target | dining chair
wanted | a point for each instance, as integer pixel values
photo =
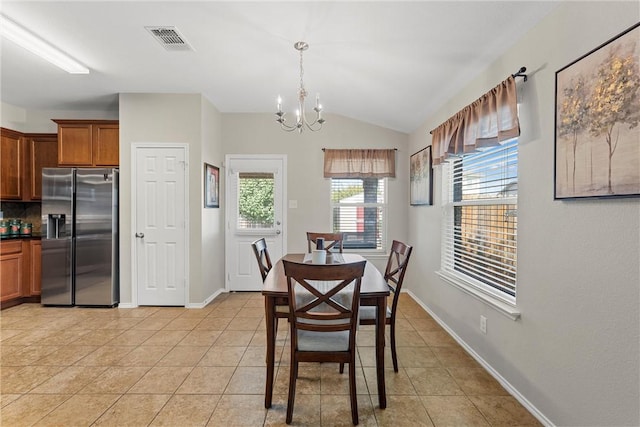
(394, 276)
(323, 302)
(332, 241)
(264, 265)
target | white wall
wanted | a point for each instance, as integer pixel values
(187, 119)
(40, 121)
(574, 354)
(260, 134)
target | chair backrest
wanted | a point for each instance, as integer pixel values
(396, 267)
(324, 298)
(262, 256)
(332, 241)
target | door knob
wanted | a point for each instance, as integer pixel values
(140, 235)
(278, 231)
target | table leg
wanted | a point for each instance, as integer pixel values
(269, 308)
(380, 328)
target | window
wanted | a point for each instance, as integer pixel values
(255, 200)
(358, 207)
(480, 224)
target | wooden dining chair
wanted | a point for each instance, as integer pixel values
(394, 275)
(264, 265)
(332, 241)
(323, 302)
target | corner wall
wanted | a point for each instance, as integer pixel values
(574, 355)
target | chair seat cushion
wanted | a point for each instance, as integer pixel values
(323, 341)
(369, 312)
(282, 308)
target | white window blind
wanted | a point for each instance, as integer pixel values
(358, 207)
(480, 227)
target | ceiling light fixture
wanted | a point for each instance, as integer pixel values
(301, 118)
(34, 44)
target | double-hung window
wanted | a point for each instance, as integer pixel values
(480, 199)
(358, 209)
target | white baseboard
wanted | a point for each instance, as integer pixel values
(206, 301)
(495, 374)
(126, 305)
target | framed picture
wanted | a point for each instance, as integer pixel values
(420, 178)
(597, 132)
(211, 186)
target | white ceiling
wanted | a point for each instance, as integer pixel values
(387, 63)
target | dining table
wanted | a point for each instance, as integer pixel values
(373, 292)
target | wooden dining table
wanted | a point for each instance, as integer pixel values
(373, 292)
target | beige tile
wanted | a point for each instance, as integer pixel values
(433, 381)
(183, 356)
(121, 324)
(417, 357)
(166, 337)
(133, 410)
(115, 380)
(70, 380)
(309, 377)
(247, 380)
(163, 380)
(438, 339)
(253, 312)
(332, 382)
(234, 338)
(222, 356)
(336, 410)
(504, 411)
(183, 323)
(223, 312)
(98, 337)
(403, 411)
(187, 410)
(214, 323)
(244, 324)
(255, 356)
(67, 355)
(105, 356)
(239, 410)
(167, 312)
(147, 355)
(25, 355)
(200, 338)
(65, 337)
(453, 411)
(206, 380)
(306, 411)
(30, 408)
(132, 337)
(409, 339)
(6, 334)
(5, 399)
(395, 383)
(453, 357)
(152, 323)
(81, 409)
(367, 356)
(27, 378)
(477, 381)
(425, 324)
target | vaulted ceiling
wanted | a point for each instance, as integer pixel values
(387, 63)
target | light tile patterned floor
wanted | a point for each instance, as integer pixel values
(164, 366)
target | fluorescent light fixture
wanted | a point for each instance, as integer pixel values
(24, 38)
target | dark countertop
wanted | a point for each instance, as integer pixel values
(22, 237)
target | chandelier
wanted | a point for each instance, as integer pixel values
(301, 117)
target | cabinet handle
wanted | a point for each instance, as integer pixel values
(140, 235)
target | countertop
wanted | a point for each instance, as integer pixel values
(21, 237)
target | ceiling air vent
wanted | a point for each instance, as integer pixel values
(170, 38)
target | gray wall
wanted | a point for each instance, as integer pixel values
(574, 354)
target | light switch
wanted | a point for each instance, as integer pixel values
(293, 204)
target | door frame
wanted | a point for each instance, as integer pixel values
(134, 201)
(228, 158)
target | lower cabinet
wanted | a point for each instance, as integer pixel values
(20, 271)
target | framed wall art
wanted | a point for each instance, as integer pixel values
(421, 178)
(597, 116)
(211, 186)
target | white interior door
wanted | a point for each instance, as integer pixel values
(255, 196)
(160, 225)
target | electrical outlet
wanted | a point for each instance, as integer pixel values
(483, 324)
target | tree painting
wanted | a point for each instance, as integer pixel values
(597, 117)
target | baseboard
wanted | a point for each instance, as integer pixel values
(495, 374)
(126, 305)
(206, 301)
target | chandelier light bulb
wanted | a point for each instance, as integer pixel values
(301, 117)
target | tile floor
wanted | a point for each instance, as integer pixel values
(164, 366)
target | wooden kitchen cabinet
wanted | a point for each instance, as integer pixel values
(11, 270)
(43, 153)
(35, 267)
(90, 143)
(11, 164)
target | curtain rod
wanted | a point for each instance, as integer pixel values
(359, 149)
(519, 73)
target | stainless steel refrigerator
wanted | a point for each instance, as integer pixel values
(80, 237)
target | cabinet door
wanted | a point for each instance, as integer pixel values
(35, 278)
(44, 154)
(74, 145)
(11, 265)
(10, 165)
(106, 145)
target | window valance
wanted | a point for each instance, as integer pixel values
(360, 163)
(486, 122)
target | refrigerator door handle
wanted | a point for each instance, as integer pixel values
(140, 235)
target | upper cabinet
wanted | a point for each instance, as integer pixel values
(88, 142)
(11, 164)
(43, 153)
